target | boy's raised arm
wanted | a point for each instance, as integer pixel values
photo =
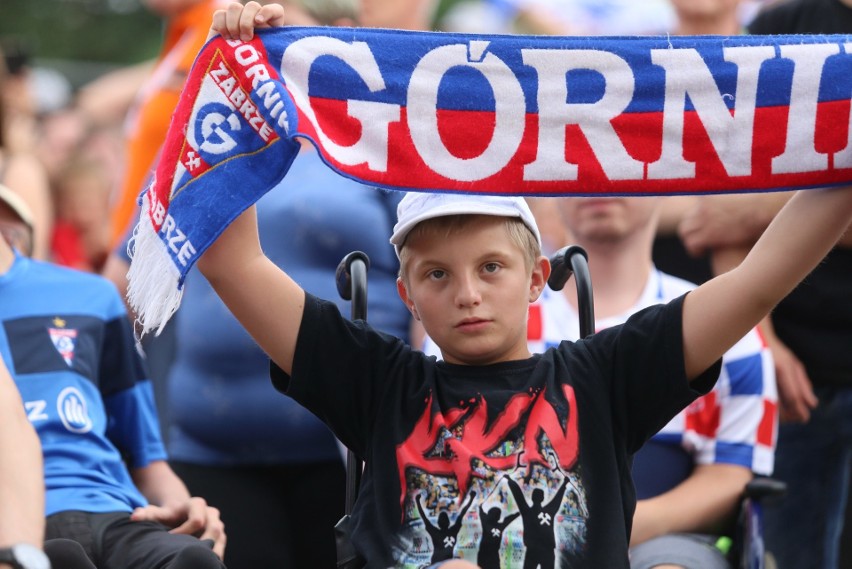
(722, 310)
(266, 301)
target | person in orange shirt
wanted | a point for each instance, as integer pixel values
(187, 24)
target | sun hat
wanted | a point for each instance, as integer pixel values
(420, 206)
(19, 207)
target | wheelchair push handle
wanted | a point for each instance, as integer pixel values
(351, 279)
(766, 489)
(569, 260)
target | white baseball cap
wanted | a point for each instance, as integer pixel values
(420, 206)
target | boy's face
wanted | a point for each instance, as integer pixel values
(471, 289)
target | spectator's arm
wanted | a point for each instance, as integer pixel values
(795, 392)
(265, 300)
(705, 502)
(21, 470)
(159, 484)
(108, 98)
(846, 240)
(731, 220)
(673, 209)
(26, 176)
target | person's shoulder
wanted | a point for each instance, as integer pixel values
(71, 280)
(68, 274)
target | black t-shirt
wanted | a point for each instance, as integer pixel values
(815, 320)
(804, 17)
(548, 438)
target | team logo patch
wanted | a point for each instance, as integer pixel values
(226, 122)
(73, 411)
(64, 340)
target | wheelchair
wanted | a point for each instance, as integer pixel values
(747, 548)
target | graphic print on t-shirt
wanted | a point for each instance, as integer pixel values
(499, 489)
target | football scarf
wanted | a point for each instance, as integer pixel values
(526, 115)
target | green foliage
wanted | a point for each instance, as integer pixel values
(103, 31)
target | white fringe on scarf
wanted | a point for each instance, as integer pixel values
(152, 280)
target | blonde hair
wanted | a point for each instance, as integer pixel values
(518, 232)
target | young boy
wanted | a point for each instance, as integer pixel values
(464, 433)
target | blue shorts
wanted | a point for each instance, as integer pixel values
(690, 550)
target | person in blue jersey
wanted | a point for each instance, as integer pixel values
(69, 346)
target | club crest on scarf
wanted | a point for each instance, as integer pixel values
(227, 122)
(240, 108)
(234, 112)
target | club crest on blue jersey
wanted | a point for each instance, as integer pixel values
(64, 340)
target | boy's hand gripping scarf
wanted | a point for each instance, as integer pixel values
(537, 116)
